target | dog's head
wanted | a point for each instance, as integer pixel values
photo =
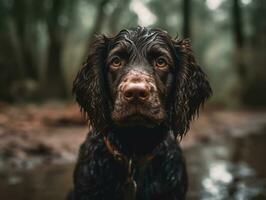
(141, 77)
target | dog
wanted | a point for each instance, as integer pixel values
(139, 91)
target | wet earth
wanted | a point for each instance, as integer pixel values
(231, 168)
(225, 162)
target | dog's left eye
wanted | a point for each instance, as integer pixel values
(116, 63)
(161, 62)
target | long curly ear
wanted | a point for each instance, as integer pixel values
(88, 86)
(192, 88)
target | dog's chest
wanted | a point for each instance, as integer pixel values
(105, 177)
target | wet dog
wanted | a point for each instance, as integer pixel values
(139, 90)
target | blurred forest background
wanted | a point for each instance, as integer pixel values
(43, 43)
(42, 46)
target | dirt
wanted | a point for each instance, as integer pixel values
(33, 134)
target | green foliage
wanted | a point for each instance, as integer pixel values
(44, 42)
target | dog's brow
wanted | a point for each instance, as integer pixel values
(116, 50)
(158, 49)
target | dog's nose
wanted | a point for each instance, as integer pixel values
(136, 91)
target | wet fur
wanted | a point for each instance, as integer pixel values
(98, 175)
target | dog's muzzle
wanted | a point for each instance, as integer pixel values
(137, 87)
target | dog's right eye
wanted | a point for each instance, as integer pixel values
(116, 62)
(161, 63)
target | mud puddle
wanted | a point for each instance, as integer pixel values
(228, 168)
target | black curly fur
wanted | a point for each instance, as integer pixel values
(192, 88)
(98, 175)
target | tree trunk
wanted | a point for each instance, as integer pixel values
(186, 18)
(54, 84)
(256, 47)
(239, 41)
(99, 20)
(115, 17)
(23, 23)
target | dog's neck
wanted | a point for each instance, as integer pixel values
(137, 140)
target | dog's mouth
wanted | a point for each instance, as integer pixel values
(138, 115)
(136, 120)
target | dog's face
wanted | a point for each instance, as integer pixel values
(141, 77)
(140, 69)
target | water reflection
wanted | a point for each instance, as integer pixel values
(47, 182)
(218, 175)
(231, 168)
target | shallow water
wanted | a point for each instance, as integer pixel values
(232, 168)
(228, 168)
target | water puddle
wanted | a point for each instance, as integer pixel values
(231, 168)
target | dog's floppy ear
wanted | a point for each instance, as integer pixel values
(88, 86)
(192, 88)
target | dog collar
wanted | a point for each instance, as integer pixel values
(130, 189)
(139, 160)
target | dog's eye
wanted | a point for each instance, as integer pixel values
(161, 63)
(116, 62)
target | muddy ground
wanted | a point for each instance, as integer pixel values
(224, 150)
(51, 133)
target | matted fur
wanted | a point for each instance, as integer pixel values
(98, 175)
(191, 91)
